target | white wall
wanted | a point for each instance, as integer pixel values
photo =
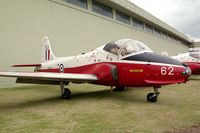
(23, 23)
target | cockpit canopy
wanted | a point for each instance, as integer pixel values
(126, 47)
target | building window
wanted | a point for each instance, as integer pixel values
(170, 37)
(80, 3)
(138, 24)
(164, 35)
(149, 28)
(185, 43)
(157, 31)
(177, 40)
(122, 17)
(102, 9)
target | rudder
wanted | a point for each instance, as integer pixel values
(47, 53)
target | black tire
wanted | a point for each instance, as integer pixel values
(151, 97)
(66, 94)
(119, 88)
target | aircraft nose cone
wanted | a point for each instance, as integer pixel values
(187, 71)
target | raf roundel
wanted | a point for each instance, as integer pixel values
(61, 67)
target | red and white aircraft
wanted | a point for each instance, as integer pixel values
(192, 59)
(122, 63)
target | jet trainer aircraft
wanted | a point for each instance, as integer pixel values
(192, 59)
(122, 63)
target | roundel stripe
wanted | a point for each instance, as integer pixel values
(48, 54)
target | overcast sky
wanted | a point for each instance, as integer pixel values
(183, 15)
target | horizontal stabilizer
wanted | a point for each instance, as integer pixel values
(27, 65)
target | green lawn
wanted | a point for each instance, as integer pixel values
(94, 109)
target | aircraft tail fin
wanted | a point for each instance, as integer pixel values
(195, 52)
(47, 53)
(164, 53)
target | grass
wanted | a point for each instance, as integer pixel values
(97, 110)
(195, 77)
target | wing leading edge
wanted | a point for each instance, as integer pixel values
(48, 78)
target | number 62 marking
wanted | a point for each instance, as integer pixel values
(167, 70)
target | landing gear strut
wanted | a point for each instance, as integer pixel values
(152, 97)
(65, 92)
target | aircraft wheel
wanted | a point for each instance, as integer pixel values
(118, 88)
(152, 97)
(66, 94)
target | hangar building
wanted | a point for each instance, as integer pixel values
(196, 44)
(77, 26)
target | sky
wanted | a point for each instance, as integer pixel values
(183, 15)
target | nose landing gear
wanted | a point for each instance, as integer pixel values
(152, 97)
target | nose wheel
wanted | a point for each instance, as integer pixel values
(153, 96)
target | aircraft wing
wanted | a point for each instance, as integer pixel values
(48, 78)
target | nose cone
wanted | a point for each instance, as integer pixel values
(187, 71)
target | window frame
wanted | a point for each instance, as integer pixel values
(102, 9)
(137, 23)
(78, 3)
(149, 28)
(122, 17)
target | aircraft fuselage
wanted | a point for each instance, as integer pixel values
(142, 69)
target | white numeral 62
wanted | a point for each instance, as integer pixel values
(167, 70)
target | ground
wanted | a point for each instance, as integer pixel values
(95, 109)
(192, 129)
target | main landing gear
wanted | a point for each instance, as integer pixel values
(119, 88)
(65, 92)
(152, 97)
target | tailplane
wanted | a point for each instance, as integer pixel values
(195, 52)
(164, 53)
(47, 53)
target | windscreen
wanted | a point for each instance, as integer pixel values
(125, 47)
